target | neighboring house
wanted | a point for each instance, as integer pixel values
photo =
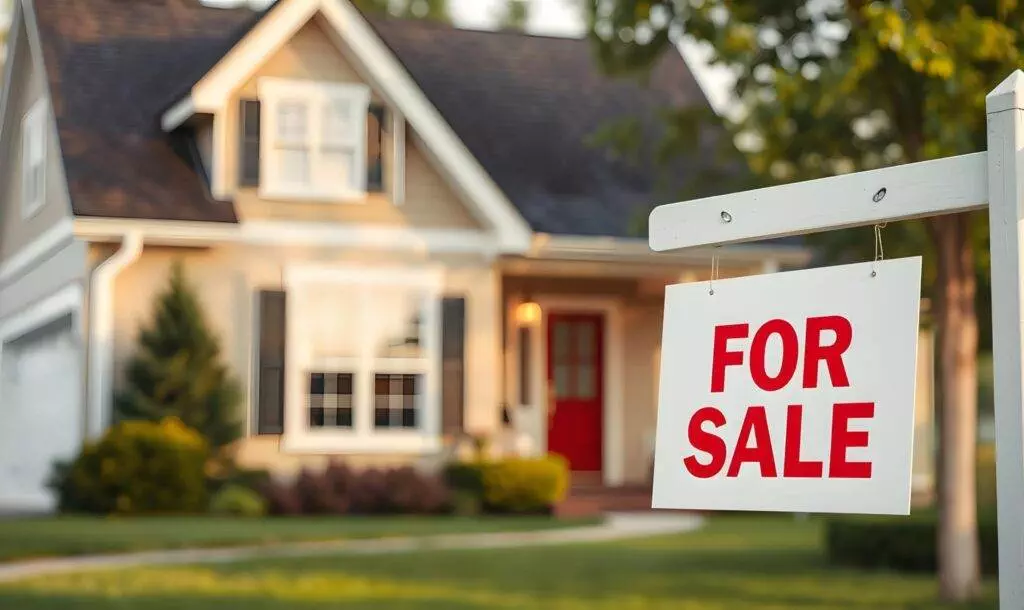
(397, 229)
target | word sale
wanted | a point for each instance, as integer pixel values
(754, 442)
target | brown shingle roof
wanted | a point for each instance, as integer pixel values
(525, 106)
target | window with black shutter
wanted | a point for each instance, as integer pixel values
(375, 149)
(453, 366)
(270, 397)
(249, 143)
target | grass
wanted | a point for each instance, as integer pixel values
(63, 536)
(737, 563)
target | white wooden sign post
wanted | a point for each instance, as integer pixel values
(957, 184)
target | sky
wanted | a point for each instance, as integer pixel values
(562, 18)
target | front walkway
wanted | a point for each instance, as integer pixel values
(617, 526)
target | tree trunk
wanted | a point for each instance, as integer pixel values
(959, 571)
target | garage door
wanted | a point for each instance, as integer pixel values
(40, 413)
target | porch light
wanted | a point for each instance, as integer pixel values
(528, 313)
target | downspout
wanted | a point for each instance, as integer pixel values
(101, 332)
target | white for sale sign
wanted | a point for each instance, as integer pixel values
(790, 391)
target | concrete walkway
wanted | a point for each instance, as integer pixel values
(617, 526)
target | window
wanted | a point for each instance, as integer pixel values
(375, 149)
(368, 352)
(33, 167)
(316, 139)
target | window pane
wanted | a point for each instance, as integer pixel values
(338, 126)
(374, 149)
(395, 399)
(329, 400)
(338, 167)
(291, 122)
(563, 332)
(585, 342)
(295, 166)
(563, 381)
(586, 386)
(398, 322)
(335, 309)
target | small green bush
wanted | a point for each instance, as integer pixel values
(238, 501)
(136, 468)
(465, 476)
(904, 544)
(525, 486)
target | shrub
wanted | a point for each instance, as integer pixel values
(281, 499)
(525, 485)
(136, 468)
(906, 544)
(412, 492)
(327, 492)
(238, 501)
(252, 479)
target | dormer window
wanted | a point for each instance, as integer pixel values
(314, 140)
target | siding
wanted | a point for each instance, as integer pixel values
(27, 86)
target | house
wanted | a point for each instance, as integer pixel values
(400, 231)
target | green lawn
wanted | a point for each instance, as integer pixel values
(48, 537)
(738, 563)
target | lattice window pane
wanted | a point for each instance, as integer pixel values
(329, 400)
(395, 400)
(292, 123)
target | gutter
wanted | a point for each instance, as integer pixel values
(101, 333)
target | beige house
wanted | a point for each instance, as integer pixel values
(401, 232)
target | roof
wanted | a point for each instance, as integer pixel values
(527, 107)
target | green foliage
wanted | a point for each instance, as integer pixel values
(136, 468)
(905, 544)
(516, 485)
(436, 10)
(177, 370)
(238, 501)
(515, 14)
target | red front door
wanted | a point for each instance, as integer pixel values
(575, 382)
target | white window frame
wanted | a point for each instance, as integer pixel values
(363, 437)
(316, 96)
(33, 156)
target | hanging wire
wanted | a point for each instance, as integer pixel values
(714, 273)
(879, 249)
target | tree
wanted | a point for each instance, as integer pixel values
(177, 370)
(515, 15)
(832, 87)
(410, 9)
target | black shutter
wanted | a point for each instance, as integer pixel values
(249, 143)
(453, 367)
(375, 149)
(270, 398)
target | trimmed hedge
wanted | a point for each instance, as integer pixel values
(238, 501)
(138, 467)
(511, 486)
(903, 544)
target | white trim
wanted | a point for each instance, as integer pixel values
(398, 158)
(374, 237)
(613, 450)
(941, 186)
(298, 437)
(40, 313)
(177, 114)
(33, 156)
(12, 46)
(100, 377)
(38, 248)
(213, 91)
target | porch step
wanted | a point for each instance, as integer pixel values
(587, 499)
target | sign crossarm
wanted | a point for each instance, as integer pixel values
(903, 192)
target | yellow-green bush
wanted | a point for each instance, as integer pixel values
(137, 467)
(238, 501)
(525, 485)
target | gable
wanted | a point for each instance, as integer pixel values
(347, 28)
(310, 55)
(27, 93)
